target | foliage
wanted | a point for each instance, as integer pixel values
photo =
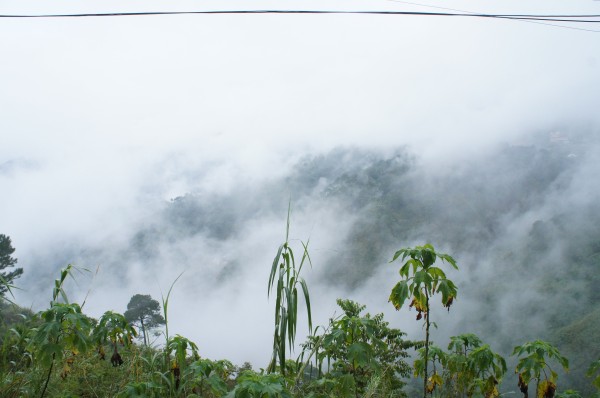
(7, 261)
(568, 394)
(144, 389)
(64, 329)
(144, 312)
(470, 368)
(356, 355)
(210, 377)
(364, 348)
(113, 328)
(421, 280)
(533, 365)
(256, 385)
(594, 371)
(63, 333)
(285, 276)
(179, 346)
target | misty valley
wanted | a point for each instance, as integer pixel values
(351, 272)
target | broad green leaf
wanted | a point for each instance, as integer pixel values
(360, 353)
(399, 294)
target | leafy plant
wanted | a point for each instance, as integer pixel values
(472, 366)
(179, 345)
(143, 389)
(113, 327)
(365, 348)
(285, 276)
(485, 370)
(64, 330)
(594, 371)
(256, 385)
(420, 281)
(438, 358)
(210, 377)
(533, 365)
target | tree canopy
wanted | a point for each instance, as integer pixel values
(144, 312)
(7, 261)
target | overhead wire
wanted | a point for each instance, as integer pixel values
(531, 18)
(527, 21)
(560, 18)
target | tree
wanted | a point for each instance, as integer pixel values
(421, 280)
(144, 312)
(361, 349)
(6, 261)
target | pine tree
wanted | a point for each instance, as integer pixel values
(7, 261)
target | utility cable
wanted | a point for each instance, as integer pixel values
(530, 17)
(472, 12)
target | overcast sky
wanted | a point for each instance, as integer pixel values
(100, 117)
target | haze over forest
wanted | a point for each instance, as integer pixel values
(151, 147)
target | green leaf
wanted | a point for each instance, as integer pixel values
(274, 270)
(307, 300)
(399, 294)
(360, 353)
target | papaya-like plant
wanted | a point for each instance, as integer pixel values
(438, 358)
(210, 377)
(533, 365)
(485, 370)
(256, 385)
(113, 327)
(64, 331)
(421, 279)
(285, 278)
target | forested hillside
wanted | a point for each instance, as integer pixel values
(522, 220)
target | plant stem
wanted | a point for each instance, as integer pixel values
(48, 377)
(426, 342)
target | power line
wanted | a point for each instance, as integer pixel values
(527, 17)
(473, 12)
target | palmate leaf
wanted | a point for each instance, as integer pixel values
(593, 370)
(436, 273)
(399, 294)
(464, 341)
(427, 256)
(402, 252)
(422, 278)
(360, 353)
(449, 259)
(448, 290)
(532, 365)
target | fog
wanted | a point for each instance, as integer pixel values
(147, 147)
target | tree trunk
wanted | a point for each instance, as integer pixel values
(144, 331)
